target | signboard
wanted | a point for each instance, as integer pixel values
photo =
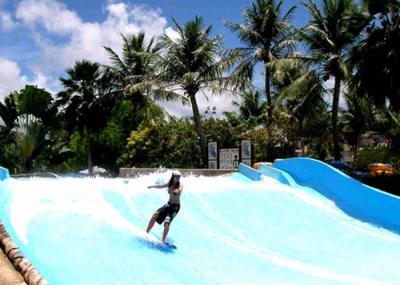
(228, 158)
(212, 164)
(212, 151)
(212, 155)
(246, 149)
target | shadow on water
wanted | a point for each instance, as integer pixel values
(167, 247)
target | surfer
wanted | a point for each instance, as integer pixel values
(168, 212)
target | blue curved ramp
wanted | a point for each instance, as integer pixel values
(356, 199)
(4, 174)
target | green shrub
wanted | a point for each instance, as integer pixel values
(372, 155)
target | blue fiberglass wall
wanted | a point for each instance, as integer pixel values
(277, 174)
(358, 200)
(250, 172)
(4, 173)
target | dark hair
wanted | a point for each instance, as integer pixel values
(171, 180)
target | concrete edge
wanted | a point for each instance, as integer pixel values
(134, 172)
(20, 263)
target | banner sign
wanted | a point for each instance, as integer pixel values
(246, 152)
(212, 151)
(228, 158)
(246, 149)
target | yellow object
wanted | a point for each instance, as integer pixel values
(377, 169)
(257, 164)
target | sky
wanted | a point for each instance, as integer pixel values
(39, 39)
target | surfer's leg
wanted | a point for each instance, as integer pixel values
(151, 222)
(158, 217)
(165, 233)
(166, 228)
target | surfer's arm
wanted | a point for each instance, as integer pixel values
(179, 189)
(158, 186)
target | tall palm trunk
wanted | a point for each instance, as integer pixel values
(268, 93)
(199, 128)
(27, 164)
(335, 111)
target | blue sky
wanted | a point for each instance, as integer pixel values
(39, 39)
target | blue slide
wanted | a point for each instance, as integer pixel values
(251, 227)
(356, 199)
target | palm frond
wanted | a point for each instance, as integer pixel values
(116, 61)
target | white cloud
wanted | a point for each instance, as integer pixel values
(51, 15)
(330, 83)
(222, 102)
(173, 34)
(6, 22)
(11, 77)
(84, 39)
(46, 82)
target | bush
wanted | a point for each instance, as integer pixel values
(372, 155)
(169, 144)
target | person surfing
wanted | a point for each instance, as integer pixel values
(167, 212)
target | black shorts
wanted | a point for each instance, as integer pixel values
(167, 213)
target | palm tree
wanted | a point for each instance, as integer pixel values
(357, 119)
(268, 36)
(252, 106)
(82, 101)
(9, 112)
(189, 65)
(29, 115)
(331, 32)
(39, 103)
(30, 137)
(132, 64)
(135, 62)
(300, 89)
(377, 57)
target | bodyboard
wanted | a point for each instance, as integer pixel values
(154, 243)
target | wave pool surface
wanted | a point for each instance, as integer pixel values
(229, 231)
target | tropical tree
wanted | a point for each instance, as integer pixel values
(9, 155)
(252, 106)
(28, 115)
(358, 118)
(9, 112)
(129, 68)
(377, 57)
(190, 64)
(30, 137)
(299, 89)
(85, 101)
(269, 36)
(332, 30)
(131, 109)
(299, 105)
(167, 143)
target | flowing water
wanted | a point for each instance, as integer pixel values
(229, 230)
